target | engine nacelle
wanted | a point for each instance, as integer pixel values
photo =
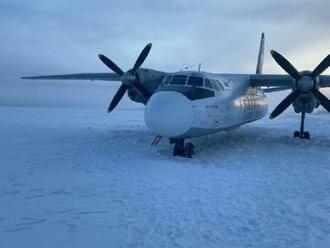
(150, 79)
(136, 95)
(305, 103)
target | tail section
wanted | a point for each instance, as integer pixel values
(261, 55)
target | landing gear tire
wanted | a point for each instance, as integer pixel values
(306, 135)
(176, 150)
(189, 150)
(179, 148)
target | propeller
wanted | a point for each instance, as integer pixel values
(129, 78)
(284, 104)
(305, 81)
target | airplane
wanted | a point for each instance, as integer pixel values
(188, 104)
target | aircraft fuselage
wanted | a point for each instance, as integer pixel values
(221, 102)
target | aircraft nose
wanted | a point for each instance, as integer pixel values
(169, 113)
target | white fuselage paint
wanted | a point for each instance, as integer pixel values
(171, 114)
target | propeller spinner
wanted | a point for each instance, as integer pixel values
(128, 78)
(305, 81)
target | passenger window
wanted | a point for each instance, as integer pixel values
(179, 80)
(220, 85)
(195, 81)
(208, 83)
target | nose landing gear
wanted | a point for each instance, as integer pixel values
(302, 134)
(189, 150)
(182, 149)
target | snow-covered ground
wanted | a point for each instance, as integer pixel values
(82, 178)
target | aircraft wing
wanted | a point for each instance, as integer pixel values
(79, 76)
(271, 80)
(279, 82)
(324, 81)
(275, 89)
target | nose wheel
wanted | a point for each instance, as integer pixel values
(302, 134)
(189, 150)
(182, 149)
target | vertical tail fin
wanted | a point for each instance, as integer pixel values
(261, 55)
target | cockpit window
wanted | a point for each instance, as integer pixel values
(215, 85)
(179, 80)
(167, 79)
(220, 85)
(208, 83)
(195, 81)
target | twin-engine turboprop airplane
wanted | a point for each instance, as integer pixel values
(189, 104)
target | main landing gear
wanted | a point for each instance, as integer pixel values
(182, 149)
(302, 134)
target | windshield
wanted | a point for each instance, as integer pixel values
(208, 83)
(166, 80)
(179, 80)
(195, 81)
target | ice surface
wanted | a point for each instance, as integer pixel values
(83, 178)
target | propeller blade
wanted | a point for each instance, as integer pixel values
(118, 96)
(285, 64)
(109, 63)
(284, 104)
(321, 67)
(142, 57)
(325, 102)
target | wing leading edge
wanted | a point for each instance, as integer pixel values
(281, 81)
(271, 80)
(79, 76)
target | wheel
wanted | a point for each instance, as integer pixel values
(189, 150)
(175, 151)
(296, 134)
(306, 135)
(178, 149)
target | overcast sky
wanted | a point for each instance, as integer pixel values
(65, 36)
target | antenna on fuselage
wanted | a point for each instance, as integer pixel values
(186, 68)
